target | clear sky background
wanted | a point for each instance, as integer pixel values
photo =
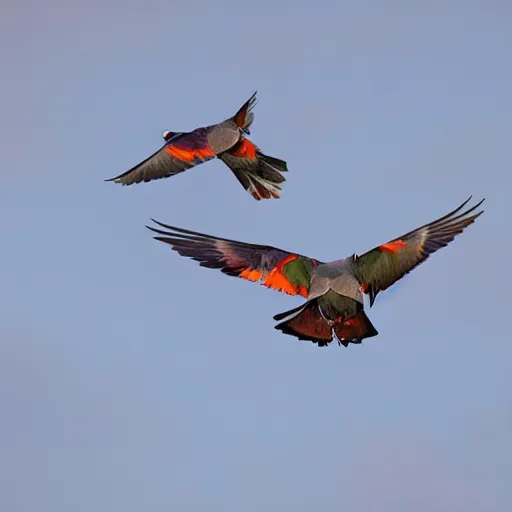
(132, 379)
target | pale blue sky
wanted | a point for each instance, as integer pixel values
(132, 379)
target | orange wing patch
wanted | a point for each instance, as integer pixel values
(275, 279)
(189, 155)
(393, 247)
(251, 275)
(303, 291)
(245, 149)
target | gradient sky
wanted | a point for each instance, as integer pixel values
(132, 379)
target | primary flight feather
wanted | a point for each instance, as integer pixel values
(260, 174)
(334, 290)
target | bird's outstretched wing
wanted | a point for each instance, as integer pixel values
(384, 265)
(281, 270)
(181, 152)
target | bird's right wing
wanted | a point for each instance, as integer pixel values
(384, 265)
(181, 152)
(275, 268)
(245, 116)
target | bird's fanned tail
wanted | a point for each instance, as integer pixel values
(323, 318)
(258, 173)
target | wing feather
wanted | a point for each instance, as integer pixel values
(181, 152)
(384, 265)
(272, 267)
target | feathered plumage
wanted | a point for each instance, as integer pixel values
(260, 174)
(333, 291)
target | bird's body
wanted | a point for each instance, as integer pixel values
(223, 136)
(258, 173)
(334, 290)
(336, 276)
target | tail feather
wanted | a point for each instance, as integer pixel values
(258, 187)
(355, 329)
(290, 312)
(273, 168)
(244, 117)
(266, 178)
(313, 321)
(308, 325)
(258, 173)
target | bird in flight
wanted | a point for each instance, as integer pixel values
(333, 291)
(260, 174)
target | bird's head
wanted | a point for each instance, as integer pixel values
(168, 135)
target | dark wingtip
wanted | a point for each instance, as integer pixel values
(117, 179)
(159, 231)
(471, 209)
(251, 103)
(154, 229)
(480, 202)
(166, 226)
(468, 200)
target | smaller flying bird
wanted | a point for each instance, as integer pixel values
(334, 291)
(258, 173)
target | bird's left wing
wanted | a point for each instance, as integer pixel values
(384, 265)
(181, 151)
(275, 268)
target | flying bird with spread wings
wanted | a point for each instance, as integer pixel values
(260, 174)
(334, 290)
